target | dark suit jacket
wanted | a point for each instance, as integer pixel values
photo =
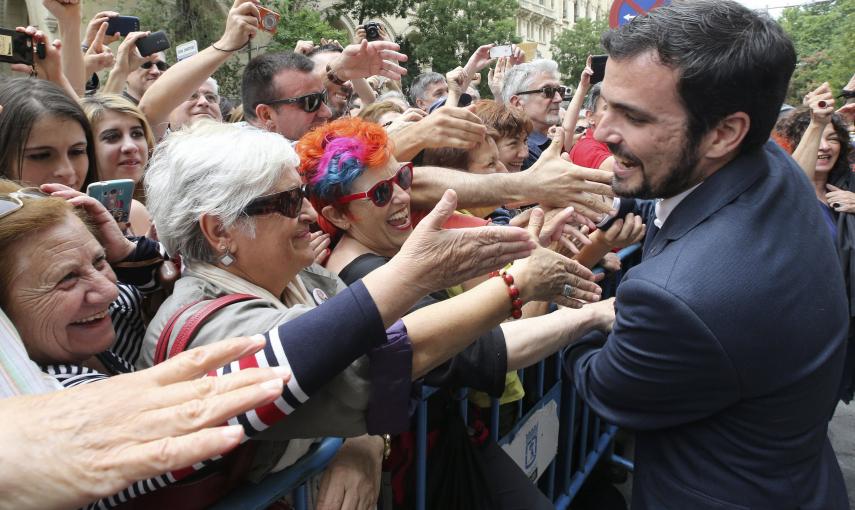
(728, 348)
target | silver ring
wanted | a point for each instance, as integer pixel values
(568, 290)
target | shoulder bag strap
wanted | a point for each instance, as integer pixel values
(189, 329)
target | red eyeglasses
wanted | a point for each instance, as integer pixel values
(381, 193)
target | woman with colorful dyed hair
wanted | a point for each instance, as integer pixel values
(362, 194)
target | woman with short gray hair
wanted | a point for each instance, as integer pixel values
(229, 201)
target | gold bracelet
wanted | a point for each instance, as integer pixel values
(332, 77)
(387, 446)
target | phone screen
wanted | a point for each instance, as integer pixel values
(598, 65)
(500, 51)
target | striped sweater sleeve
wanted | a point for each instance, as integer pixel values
(316, 347)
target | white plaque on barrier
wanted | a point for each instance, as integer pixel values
(535, 443)
(186, 50)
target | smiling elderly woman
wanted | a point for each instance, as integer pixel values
(230, 202)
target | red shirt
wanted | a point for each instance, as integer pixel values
(588, 152)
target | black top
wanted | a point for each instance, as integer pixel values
(481, 366)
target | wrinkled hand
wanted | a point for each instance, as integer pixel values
(496, 76)
(559, 230)
(95, 25)
(135, 426)
(320, 243)
(304, 47)
(99, 56)
(840, 200)
(624, 232)
(458, 80)
(542, 276)
(847, 111)
(454, 127)
(434, 258)
(408, 118)
(66, 12)
(48, 68)
(241, 25)
(560, 183)
(116, 245)
(352, 479)
(820, 113)
(368, 59)
(604, 314)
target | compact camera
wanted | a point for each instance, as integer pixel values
(372, 31)
(269, 19)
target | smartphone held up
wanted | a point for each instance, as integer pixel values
(115, 195)
(18, 48)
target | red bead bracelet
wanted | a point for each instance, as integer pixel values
(513, 293)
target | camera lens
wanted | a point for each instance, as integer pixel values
(269, 21)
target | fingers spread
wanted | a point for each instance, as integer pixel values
(199, 361)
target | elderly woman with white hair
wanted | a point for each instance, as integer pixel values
(229, 201)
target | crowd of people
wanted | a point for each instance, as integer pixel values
(298, 265)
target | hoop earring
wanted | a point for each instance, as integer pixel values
(226, 258)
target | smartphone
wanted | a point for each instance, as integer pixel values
(501, 51)
(598, 65)
(115, 195)
(15, 47)
(154, 43)
(123, 25)
(269, 19)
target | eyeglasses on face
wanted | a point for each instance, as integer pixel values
(161, 65)
(209, 97)
(309, 103)
(579, 130)
(381, 193)
(548, 92)
(11, 202)
(287, 203)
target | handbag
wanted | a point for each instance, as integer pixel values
(206, 487)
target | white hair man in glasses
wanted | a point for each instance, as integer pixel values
(536, 88)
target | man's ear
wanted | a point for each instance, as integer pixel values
(264, 113)
(217, 236)
(515, 101)
(726, 137)
(336, 217)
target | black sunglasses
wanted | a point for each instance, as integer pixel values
(548, 92)
(381, 193)
(161, 65)
(309, 103)
(579, 130)
(287, 203)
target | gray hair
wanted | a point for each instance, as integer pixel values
(422, 82)
(591, 99)
(521, 76)
(214, 85)
(211, 168)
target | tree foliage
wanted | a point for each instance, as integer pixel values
(367, 10)
(447, 32)
(823, 36)
(204, 21)
(572, 47)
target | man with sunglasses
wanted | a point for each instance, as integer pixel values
(588, 151)
(144, 76)
(535, 87)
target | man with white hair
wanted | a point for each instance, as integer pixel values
(202, 104)
(536, 88)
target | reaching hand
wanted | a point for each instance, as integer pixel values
(458, 80)
(66, 12)
(439, 258)
(368, 59)
(95, 25)
(116, 245)
(352, 479)
(48, 68)
(496, 76)
(480, 59)
(304, 47)
(241, 26)
(98, 56)
(452, 127)
(624, 231)
(560, 183)
(128, 57)
(821, 103)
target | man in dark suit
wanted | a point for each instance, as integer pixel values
(728, 343)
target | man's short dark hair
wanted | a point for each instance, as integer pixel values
(325, 48)
(257, 82)
(730, 59)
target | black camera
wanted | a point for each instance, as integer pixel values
(372, 31)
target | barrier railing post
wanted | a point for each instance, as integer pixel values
(421, 454)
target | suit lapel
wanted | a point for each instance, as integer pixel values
(720, 189)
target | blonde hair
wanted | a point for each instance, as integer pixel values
(35, 216)
(374, 111)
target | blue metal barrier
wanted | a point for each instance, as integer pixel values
(251, 496)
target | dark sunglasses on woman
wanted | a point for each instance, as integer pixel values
(287, 203)
(381, 193)
(309, 103)
(161, 65)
